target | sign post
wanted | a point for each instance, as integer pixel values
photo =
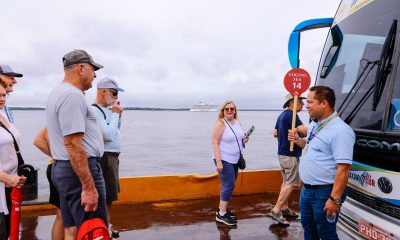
(296, 81)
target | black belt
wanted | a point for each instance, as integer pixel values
(115, 154)
(308, 186)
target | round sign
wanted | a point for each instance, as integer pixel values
(297, 81)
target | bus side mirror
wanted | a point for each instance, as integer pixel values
(294, 39)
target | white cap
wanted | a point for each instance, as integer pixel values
(109, 83)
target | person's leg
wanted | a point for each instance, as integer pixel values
(227, 178)
(71, 233)
(307, 214)
(326, 230)
(2, 226)
(62, 176)
(292, 179)
(9, 206)
(57, 232)
(283, 199)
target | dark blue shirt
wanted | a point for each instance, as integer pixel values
(283, 124)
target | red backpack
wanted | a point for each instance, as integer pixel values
(93, 229)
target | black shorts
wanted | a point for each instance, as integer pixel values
(110, 166)
(54, 198)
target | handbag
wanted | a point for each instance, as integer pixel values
(241, 163)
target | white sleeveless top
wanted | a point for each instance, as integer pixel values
(8, 158)
(228, 146)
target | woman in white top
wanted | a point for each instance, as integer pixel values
(227, 143)
(8, 166)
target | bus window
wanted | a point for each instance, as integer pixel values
(394, 117)
(353, 75)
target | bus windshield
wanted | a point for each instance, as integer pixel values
(350, 59)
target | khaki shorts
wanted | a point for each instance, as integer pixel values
(290, 170)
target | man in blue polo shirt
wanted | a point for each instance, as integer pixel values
(289, 161)
(324, 166)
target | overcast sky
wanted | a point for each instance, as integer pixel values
(165, 53)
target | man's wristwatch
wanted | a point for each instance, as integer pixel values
(336, 201)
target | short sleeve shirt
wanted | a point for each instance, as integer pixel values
(67, 113)
(331, 145)
(283, 124)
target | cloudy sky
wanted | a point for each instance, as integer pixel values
(164, 53)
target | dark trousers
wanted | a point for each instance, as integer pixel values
(8, 217)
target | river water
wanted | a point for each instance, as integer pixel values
(165, 142)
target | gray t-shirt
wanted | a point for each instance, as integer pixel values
(67, 113)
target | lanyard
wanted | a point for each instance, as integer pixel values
(312, 134)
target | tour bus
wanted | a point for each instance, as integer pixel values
(360, 61)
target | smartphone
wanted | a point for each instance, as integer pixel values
(250, 131)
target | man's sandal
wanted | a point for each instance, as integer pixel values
(289, 213)
(279, 218)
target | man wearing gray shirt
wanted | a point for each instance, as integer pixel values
(76, 144)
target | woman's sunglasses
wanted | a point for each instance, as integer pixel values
(229, 109)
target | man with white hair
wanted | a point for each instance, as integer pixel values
(108, 113)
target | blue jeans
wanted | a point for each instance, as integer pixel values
(313, 216)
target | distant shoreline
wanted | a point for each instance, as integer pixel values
(144, 109)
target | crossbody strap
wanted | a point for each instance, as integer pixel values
(233, 134)
(20, 159)
(101, 110)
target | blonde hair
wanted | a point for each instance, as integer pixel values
(222, 109)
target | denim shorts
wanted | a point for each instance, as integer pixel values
(70, 189)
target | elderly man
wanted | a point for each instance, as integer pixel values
(109, 121)
(76, 144)
(7, 75)
(324, 166)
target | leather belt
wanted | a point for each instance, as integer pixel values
(308, 186)
(115, 154)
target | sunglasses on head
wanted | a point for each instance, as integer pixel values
(229, 109)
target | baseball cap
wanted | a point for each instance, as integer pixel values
(109, 83)
(79, 56)
(7, 70)
(288, 98)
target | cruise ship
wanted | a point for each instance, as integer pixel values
(204, 107)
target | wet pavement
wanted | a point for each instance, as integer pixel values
(189, 219)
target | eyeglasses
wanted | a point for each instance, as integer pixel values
(229, 109)
(114, 93)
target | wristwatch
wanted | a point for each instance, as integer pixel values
(336, 201)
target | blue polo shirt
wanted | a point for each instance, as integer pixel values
(331, 145)
(283, 124)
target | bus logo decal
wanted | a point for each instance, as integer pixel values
(364, 179)
(385, 185)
